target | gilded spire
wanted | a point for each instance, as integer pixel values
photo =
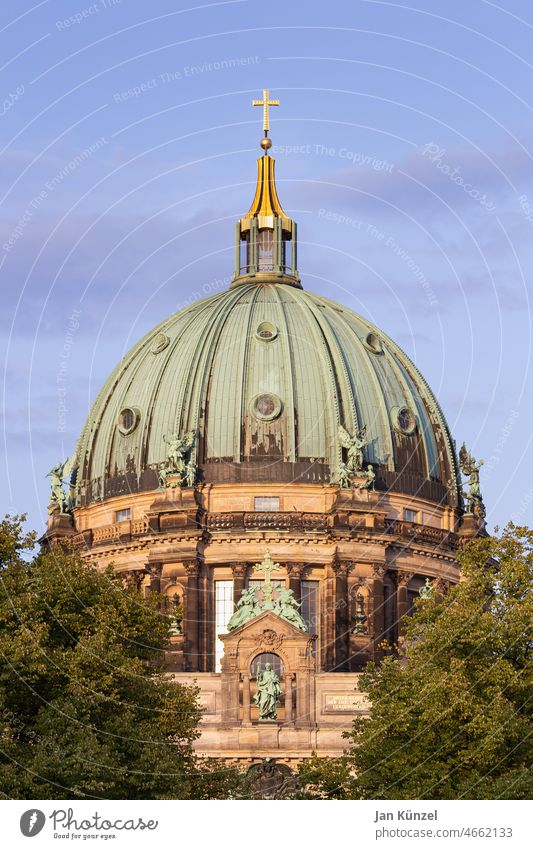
(266, 203)
(265, 242)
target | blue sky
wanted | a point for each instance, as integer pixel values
(403, 148)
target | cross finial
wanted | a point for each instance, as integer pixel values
(265, 103)
(267, 567)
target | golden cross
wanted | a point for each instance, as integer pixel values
(266, 567)
(265, 103)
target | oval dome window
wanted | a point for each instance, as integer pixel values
(266, 407)
(405, 421)
(159, 343)
(373, 343)
(266, 331)
(128, 419)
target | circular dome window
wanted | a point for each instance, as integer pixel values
(405, 420)
(373, 343)
(266, 407)
(128, 419)
(266, 331)
(159, 343)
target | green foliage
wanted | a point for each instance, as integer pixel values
(451, 717)
(85, 710)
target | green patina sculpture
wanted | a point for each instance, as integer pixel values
(346, 471)
(62, 472)
(354, 447)
(426, 590)
(286, 606)
(360, 626)
(176, 616)
(257, 600)
(370, 477)
(268, 693)
(179, 462)
(247, 608)
(342, 476)
(470, 467)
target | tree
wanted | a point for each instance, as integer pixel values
(451, 715)
(85, 710)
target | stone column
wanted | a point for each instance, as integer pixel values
(342, 617)
(327, 620)
(246, 702)
(294, 571)
(378, 607)
(302, 697)
(402, 602)
(155, 570)
(191, 628)
(288, 699)
(239, 580)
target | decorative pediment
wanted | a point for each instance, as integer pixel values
(269, 624)
(267, 633)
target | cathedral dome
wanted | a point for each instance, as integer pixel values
(265, 383)
(263, 376)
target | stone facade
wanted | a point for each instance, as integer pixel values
(365, 561)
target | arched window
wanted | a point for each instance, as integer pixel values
(267, 657)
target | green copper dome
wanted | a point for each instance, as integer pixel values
(264, 374)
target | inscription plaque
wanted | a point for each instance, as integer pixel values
(345, 703)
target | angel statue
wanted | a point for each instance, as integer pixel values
(179, 449)
(191, 473)
(247, 608)
(61, 472)
(470, 467)
(286, 606)
(354, 446)
(370, 477)
(342, 475)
